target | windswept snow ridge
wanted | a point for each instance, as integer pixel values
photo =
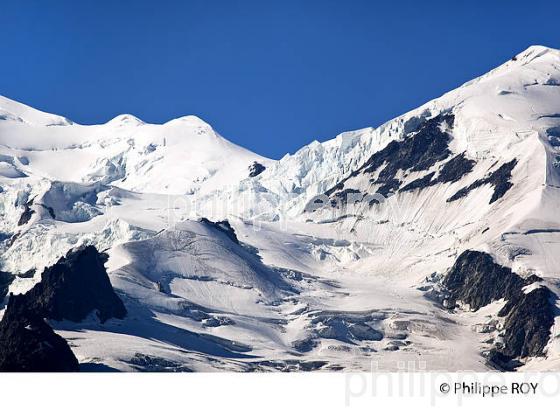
(432, 239)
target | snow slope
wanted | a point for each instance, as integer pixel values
(332, 252)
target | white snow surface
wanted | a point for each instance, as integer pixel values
(331, 280)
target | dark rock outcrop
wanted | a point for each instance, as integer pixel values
(500, 179)
(455, 169)
(425, 145)
(25, 216)
(6, 279)
(452, 171)
(222, 226)
(28, 344)
(305, 345)
(74, 287)
(419, 183)
(71, 289)
(475, 279)
(255, 169)
(529, 319)
(501, 362)
(27, 274)
(418, 151)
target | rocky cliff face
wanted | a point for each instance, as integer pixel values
(476, 280)
(28, 344)
(6, 279)
(74, 287)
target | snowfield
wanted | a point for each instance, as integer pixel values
(331, 258)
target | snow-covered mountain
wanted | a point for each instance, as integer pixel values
(182, 156)
(432, 239)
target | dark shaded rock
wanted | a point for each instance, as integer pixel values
(389, 187)
(222, 226)
(74, 287)
(455, 169)
(419, 183)
(418, 151)
(554, 141)
(532, 279)
(500, 179)
(71, 289)
(452, 171)
(27, 274)
(161, 287)
(6, 279)
(554, 136)
(27, 213)
(305, 345)
(501, 362)
(529, 318)
(415, 153)
(28, 344)
(475, 279)
(255, 169)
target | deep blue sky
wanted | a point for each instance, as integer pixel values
(268, 75)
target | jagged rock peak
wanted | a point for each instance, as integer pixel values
(76, 286)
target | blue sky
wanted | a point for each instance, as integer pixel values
(268, 75)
